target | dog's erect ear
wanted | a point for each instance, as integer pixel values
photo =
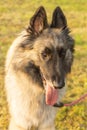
(39, 21)
(58, 19)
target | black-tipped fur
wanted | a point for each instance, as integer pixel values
(38, 22)
(58, 19)
(38, 60)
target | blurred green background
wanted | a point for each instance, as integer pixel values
(14, 17)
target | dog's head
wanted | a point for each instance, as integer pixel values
(48, 50)
(53, 47)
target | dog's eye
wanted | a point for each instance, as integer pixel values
(62, 52)
(46, 52)
(44, 55)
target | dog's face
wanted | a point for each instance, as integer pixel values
(54, 56)
(53, 47)
(47, 50)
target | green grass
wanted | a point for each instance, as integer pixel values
(14, 17)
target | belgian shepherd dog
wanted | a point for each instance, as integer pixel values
(37, 64)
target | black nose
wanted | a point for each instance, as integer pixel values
(61, 84)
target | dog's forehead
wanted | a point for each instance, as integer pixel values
(52, 37)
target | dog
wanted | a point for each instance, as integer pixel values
(37, 64)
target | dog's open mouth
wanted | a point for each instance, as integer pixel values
(51, 94)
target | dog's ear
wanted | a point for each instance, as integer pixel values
(58, 19)
(38, 22)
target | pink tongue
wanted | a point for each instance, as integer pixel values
(51, 95)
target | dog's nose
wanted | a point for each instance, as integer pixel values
(59, 85)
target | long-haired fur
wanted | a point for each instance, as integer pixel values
(40, 55)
